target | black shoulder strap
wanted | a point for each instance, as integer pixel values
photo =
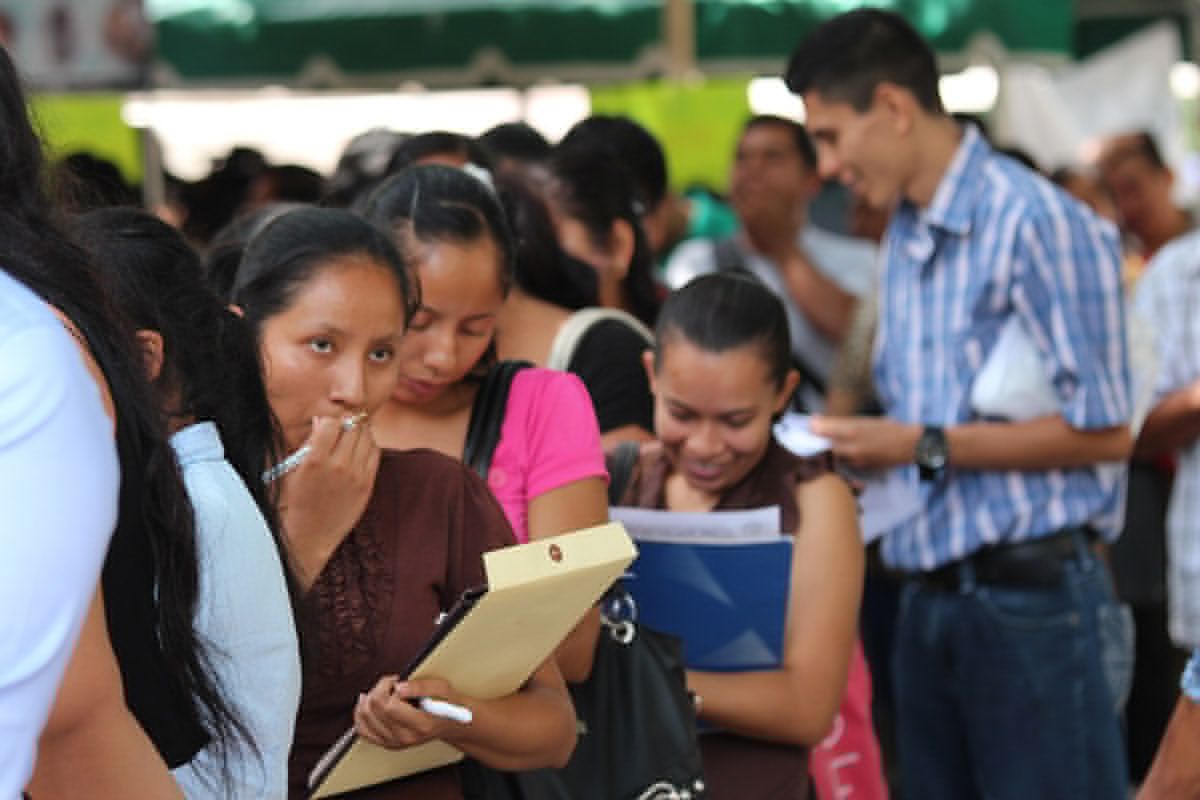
(487, 416)
(620, 462)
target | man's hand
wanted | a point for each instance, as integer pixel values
(826, 305)
(1175, 772)
(869, 441)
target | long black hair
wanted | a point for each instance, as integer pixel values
(210, 364)
(724, 311)
(294, 246)
(592, 186)
(150, 574)
(225, 251)
(538, 263)
(210, 359)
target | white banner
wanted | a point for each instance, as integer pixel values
(1058, 116)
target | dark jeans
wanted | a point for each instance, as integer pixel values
(1001, 693)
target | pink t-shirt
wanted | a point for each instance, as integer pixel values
(549, 439)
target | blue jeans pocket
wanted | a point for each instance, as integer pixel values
(1028, 609)
(1115, 626)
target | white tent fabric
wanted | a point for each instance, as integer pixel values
(1059, 117)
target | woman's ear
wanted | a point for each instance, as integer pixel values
(622, 243)
(790, 382)
(236, 310)
(151, 344)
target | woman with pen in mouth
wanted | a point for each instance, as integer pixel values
(380, 541)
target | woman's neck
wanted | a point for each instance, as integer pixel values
(526, 327)
(438, 425)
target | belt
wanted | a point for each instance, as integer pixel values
(1032, 563)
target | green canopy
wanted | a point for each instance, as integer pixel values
(462, 42)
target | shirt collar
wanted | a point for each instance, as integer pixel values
(198, 442)
(954, 199)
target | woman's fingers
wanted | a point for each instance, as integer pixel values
(386, 716)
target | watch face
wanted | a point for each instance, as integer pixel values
(931, 449)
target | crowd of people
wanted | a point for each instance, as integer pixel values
(240, 467)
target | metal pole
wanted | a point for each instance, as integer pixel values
(679, 37)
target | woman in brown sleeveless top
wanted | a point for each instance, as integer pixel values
(381, 541)
(721, 373)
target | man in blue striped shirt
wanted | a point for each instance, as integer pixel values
(1001, 687)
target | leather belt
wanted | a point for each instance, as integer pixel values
(1030, 563)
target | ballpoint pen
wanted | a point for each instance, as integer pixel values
(292, 461)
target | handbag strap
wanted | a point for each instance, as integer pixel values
(621, 461)
(487, 416)
(571, 333)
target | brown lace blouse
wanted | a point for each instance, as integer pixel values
(737, 768)
(418, 545)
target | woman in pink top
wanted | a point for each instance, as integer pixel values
(547, 470)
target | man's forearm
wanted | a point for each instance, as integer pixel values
(829, 307)
(1040, 444)
(1176, 769)
(1173, 424)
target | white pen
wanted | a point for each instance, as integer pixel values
(445, 710)
(291, 462)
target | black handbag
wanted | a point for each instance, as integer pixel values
(636, 719)
(636, 724)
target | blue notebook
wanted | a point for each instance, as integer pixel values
(727, 602)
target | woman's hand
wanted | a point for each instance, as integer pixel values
(387, 716)
(325, 496)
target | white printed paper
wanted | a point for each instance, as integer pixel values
(888, 500)
(702, 527)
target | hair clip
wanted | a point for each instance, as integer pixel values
(481, 174)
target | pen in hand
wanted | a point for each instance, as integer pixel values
(440, 708)
(445, 710)
(295, 459)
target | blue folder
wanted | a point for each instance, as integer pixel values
(727, 602)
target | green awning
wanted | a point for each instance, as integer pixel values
(439, 42)
(752, 29)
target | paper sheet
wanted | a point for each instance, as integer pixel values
(793, 432)
(706, 527)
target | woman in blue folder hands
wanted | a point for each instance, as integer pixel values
(721, 373)
(380, 541)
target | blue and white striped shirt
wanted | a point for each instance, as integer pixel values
(998, 240)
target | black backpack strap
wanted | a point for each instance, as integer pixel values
(487, 416)
(620, 462)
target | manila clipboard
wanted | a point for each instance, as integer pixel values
(489, 647)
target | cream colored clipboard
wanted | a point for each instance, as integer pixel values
(537, 593)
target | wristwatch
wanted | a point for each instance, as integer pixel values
(931, 453)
